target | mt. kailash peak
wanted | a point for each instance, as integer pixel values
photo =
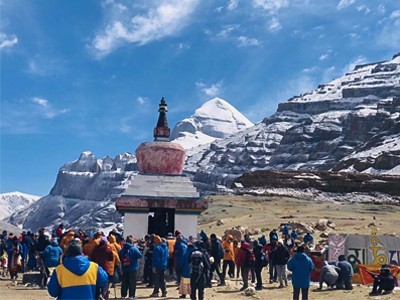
(215, 119)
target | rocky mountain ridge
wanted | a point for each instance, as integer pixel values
(15, 201)
(350, 124)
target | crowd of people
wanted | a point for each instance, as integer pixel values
(76, 264)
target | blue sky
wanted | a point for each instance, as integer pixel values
(88, 75)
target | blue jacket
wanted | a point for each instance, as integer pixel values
(134, 255)
(179, 249)
(160, 257)
(308, 238)
(51, 255)
(186, 261)
(301, 266)
(77, 278)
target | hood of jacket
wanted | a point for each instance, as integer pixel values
(77, 264)
(54, 243)
(245, 245)
(127, 246)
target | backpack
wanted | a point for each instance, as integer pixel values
(264, 260)
(249, 258)
(196, 263)
(126, 261)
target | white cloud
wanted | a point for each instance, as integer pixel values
(351, 65)
(47, 110)
(141, 100)
(40, 101)
(363, 8)
(345, 3)
(7, 41)
(245, 41)
(389, 36)
(271, 5)
(395, 14)
(274, 25)
(210, 91)
(232, 4)
(381, 8)
(183, 46)
(323, 57)
(28, 116)
(165, 18)
(227, 30)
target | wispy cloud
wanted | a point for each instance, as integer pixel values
(345, 3)
(245, 41)
(363, 8)
(162, 19)
(142, 100)
(389, 35)
(323, 57)
(211, 90)
(351, 65)
(44, 66)
(7, 41)
(232, 4)
(271, 5)
(28, 116)
(274, 25)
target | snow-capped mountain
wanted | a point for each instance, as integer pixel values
(83, 194)
(215, 119)
(13, 202)
(349, 124)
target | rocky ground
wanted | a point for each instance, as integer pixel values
(258, 215)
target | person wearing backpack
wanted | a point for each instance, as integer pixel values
(245, 262)
(129, 256)
(198, 271)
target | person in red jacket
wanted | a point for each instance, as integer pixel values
(104, 257)
(245, 261)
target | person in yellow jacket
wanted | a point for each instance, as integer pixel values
(76, 277)
(171, 245)
(229, 257)
(93, 243)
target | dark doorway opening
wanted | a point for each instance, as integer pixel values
(161, 221)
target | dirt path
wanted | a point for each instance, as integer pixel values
(10, 291)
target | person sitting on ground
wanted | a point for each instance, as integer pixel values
(345, 274)
(329, 274)
(384, 282)
(76, 277)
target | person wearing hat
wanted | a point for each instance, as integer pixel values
(229, 257)
(159, 265)
(345, 274)
(301, 266)
(76, 277)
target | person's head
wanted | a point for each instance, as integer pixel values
(229, 238)
(157, 239)
(103, 240)
(235, 243)
(247, 238)
(385, 270)
(74, 248)
(280, 243)
(179, 238)
(342, 257)
(170, 235)
(255, 243)
(213, 237)
(177, 232)
(129, 239)
(300, 249)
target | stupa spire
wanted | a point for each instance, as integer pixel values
(162, 131)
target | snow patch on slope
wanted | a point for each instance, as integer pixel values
(15, 201)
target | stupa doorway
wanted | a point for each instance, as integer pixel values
(161, 221)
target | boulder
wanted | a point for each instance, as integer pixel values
(250, 291)
(220, 222)
(321, 225)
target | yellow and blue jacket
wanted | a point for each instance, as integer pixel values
(77, 278)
